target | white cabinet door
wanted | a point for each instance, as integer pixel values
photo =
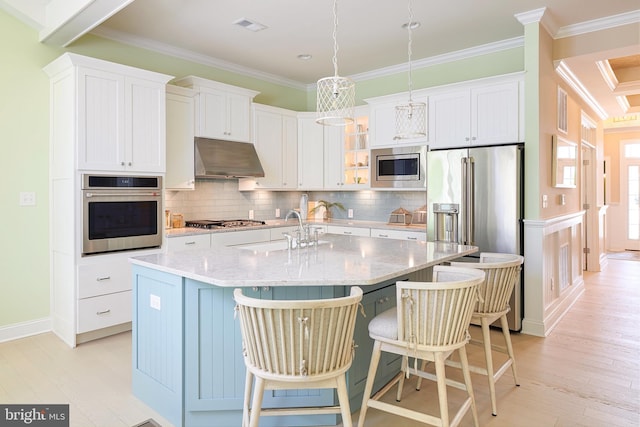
(276, 140)
(383, 124)
(289, 153)
(495, 114)
(420, 236)
(243, 237)
(222, 114)
(185, 243)
(310, 153)
(121, 122)
(333, 158)
(348, 231)
(101, 126)
(449, 119)
(145, 128)
(482, 114)
(180, 155)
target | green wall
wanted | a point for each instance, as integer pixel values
(24, 129)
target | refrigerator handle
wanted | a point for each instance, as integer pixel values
(463, 201)
(471, 201)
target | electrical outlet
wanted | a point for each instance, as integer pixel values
(277, 212)
(250, 213)
(545, 201)
(350, 213)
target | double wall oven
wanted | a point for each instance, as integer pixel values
(121, 213)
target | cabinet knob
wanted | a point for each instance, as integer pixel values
(473, 138)
(466, 139)
(107, 311)
(129, 163)
(266, 288)
(121, 163)
(254, 289)
(383, 235)
(102, 279)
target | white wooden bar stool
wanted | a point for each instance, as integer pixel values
(296, 344)
(502, 273)
(430, 322)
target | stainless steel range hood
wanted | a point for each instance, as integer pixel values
(215, 158)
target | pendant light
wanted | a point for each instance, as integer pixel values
(411, 117)
(336, 95)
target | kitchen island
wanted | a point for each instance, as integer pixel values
(187, 349)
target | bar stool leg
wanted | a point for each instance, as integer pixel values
(507, 340)
(486, 339)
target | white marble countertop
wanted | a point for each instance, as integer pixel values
(189, 231)
(341, 260)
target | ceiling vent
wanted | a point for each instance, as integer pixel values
(250, 25)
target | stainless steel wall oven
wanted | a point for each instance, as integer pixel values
(121, 213)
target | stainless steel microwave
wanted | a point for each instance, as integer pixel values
(399, 167)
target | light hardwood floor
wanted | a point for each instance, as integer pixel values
(585, 373)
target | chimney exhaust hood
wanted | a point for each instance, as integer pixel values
(216, 158)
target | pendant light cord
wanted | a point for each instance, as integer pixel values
(409, 51)
(335, 37)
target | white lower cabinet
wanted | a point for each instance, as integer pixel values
(103, 293)
(104, 311)
(243, 237)
(420, 236)
(183, 243)
(348, 231)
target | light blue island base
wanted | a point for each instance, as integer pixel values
(187, 348)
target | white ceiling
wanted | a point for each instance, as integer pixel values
(370, 38)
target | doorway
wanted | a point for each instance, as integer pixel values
(630, 192)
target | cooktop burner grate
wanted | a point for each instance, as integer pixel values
(223, 223)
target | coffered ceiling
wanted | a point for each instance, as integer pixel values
(370, 36)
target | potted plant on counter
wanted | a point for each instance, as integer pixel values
(326, 216)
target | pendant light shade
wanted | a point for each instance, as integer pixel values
(336, 95)
(411, 117)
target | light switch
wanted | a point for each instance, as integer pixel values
(545, 201)
(350, 213)
(250, 213)
(27, 198)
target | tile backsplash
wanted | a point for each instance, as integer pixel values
(221, 199)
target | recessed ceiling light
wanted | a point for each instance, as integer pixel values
(304, 57)
(414, 25)
(249, 24)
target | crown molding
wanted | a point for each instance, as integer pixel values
(188, 55)
(599, 24)
(458, 55)
(567, 75)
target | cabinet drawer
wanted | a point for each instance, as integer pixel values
(420, 236)
(104, 311)
(200, 241)
(233, 238)
(348, 231)
(104, 278)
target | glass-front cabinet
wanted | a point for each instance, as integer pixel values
(356, 152)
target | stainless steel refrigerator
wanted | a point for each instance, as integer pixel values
(487, 185)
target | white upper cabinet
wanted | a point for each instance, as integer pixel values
(383, 121)
(222, 111)
(118, 113)
(276, 141)
(310, 152)
(180, 143)
(475, 114)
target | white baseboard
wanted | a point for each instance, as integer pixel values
(25, 329)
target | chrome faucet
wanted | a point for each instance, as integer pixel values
(295, 213)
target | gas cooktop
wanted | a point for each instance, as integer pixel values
(223, 223)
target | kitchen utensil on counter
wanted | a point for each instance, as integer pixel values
(400, 216)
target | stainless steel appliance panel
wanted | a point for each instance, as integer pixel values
(487, 183)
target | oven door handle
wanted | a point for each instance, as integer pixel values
(152, 194)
